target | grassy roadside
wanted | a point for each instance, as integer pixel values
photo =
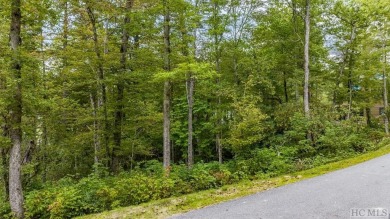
(175, 205)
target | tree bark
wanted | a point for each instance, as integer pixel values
(368, 116)
(190, 83)
(385, 99)
(167, 125)
(96, 140)
(350, 70)
(65, 30)
(350, 86)
(167, 89)
(120, 89)
(285, 87)
(217, 50)
(307, 57)
(102, 98)
(190, 99)
(15, 182)
(296, 56)
(219, 148)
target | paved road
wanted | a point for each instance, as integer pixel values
(329, 196)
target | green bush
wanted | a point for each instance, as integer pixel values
(266, 160)
(200, 178)
(97, 193)
(68, 203)
(5, 210)
(68, 197)
(134, 190)
(164, 188)
(37, 203)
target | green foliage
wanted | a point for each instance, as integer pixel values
(69, 198)
(246, 59)
(247, 129)
(198, 71)
(5, 210)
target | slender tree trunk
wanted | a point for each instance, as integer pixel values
(296, 56)
(219, 123)
(368, 116)
(219, 148)
(65, 34)
(217, 50)
(167, 124)
(120, 89)
(385, 99)
(307, 57)
(41, 129)
(44, 157)
(350, 70)
(94, 95)
(235, 67)
(335, 92)
(102, 98)
(15, 182)
(167, 88)
(190, 100)
(96, 140)
(285, 87)
(190, 85)
(350, 87)
(65, 31)
(235, 43)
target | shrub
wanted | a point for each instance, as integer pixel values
(134, 190)
(164, 188)
(68, 203)
(200, 178)
(37, 203)
(99, 192)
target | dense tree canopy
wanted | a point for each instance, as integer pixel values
(117, 84)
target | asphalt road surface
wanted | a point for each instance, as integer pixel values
(361, 191)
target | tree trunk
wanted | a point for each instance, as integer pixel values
(219, 148)
(350, 70)
(335, 92)
(217, 50)
(15, 182)
(167, 124)
(296, 56)
(350, 88)
(190, 99)
(96, 140)
(120, 89)
(307, 70)
(167, 89)
(385, 99)
(285, 87)
(190, 83)
(65, 31)
(102, 98)
(45, 153)
(368, 116)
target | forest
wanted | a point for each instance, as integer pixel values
(111, 103)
